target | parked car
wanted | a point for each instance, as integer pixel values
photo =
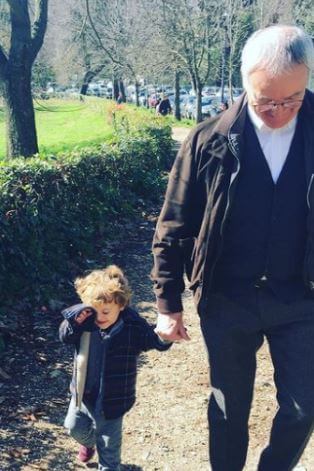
(236, 92)
(142, 99)
(182, 100)
(188, 106)
(210, 107)
(209, 91)
(109, 93)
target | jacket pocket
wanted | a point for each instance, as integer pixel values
(187, 249)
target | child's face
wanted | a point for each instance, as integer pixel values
(107, 314)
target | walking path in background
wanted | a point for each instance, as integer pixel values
(179, 134)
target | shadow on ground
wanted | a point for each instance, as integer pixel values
(34, 397)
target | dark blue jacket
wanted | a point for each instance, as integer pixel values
(120, 366)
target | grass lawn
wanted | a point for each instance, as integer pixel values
(67, 124)
(64, 125)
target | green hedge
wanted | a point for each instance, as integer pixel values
(56, 211)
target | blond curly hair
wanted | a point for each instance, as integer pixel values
(103, 286)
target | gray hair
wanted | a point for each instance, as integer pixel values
(277, 49)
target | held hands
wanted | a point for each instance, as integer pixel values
(83, 316)
(170, 327)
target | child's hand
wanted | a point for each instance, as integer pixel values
(170, 327)
(83, 316)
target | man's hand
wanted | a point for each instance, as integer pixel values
(170, 327)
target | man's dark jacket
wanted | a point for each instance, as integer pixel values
(120, 368)
(202, 182)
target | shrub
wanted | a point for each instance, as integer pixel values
(54, 211)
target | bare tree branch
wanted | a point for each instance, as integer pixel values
(39, 27)
(20, 29)
(112, 58)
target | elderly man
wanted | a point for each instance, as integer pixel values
(238, 218)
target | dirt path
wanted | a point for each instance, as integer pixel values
(179, 134)
(166, 430)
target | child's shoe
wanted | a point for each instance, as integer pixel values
(85, 454)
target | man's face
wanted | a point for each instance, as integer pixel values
(286, 90)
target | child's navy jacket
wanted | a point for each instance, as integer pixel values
(133, 336)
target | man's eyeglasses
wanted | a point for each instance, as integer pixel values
(272, 106)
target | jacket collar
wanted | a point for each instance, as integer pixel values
(307, 117)
(113, 330)
(228, 130)
(233, 119)
(231, 123)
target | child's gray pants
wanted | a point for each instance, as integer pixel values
(89, 431)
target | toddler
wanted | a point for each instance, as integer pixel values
(108, 337)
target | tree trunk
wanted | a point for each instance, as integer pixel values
(15, 75)
(137, 92)
(115, 90)
(177, 111)
(199, 116)
(20, 116)
(223, 67)
(122, 90)
(230, 79)
(89, 75)
(84, 88)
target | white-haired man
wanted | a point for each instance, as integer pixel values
(238, 218)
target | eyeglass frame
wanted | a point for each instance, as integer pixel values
(272, 106)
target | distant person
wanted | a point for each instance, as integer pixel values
(153, 101)
(224, 106)
(108, 337)
(164, 107)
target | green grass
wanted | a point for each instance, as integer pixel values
(184, 122)
(64, 125)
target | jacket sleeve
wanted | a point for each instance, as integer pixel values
(174, 231)
(69, 331)
(148, 339)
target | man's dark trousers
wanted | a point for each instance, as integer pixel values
(234, 329)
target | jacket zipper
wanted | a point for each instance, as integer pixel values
(306, 264)
(232, 180)
(309, 190)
